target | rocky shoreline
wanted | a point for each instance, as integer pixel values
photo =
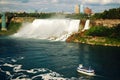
(96, 40)
(103, 41)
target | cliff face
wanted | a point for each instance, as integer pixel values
(107, 22)
(20, 19)
(78, 38)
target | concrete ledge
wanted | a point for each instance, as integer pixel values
(3, 29)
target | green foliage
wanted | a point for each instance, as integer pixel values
(77, 16)
(96, 16)
(40, 15)
(107, 14)
(102, 31)
(11, 29)
(98, 31)
(9, 14)
(24, 14)
(115, 31)
(46, 15)
(14, 26)
(110, 14)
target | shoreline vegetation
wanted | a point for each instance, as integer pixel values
(94, 40)
(104, 30)
(104, 27)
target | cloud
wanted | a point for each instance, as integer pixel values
(3, 2)
(54, 5)
(54, 1)
(101, 1)
(60, 1)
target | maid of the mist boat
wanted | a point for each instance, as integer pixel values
(88, 72)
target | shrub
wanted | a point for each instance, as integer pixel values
(103, 31)
(113, 13)
(115, 31)
(98, 31)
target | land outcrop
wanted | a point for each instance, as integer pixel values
(77, 38)
(80, 36)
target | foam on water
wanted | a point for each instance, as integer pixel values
(13, 60)
(19, 73)
(24, 73)
(52, 76)
(51, 29)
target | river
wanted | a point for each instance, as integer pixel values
(35, 59)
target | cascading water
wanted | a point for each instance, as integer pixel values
(86, 27)
(52, 29)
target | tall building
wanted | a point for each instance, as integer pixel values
(81, 9)
(77, 9)
(87, 11)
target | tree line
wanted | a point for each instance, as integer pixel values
(108, 14)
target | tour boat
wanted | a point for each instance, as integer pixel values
(88, 72)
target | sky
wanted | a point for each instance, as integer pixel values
(56, 5)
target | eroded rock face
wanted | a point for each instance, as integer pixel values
(22, 19)
(107, 22)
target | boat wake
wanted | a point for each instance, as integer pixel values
(11, 70)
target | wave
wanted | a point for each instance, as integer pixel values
(13, 71)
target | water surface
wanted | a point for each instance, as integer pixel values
(34, 59)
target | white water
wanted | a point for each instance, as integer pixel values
(51, 29)
(17, 72)
(86, 27)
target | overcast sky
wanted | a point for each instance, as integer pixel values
(56, 5)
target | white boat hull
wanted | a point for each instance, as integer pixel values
(89, 74)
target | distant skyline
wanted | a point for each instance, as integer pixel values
(56, 5)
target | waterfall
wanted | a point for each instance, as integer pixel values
(86, 27)
(51, 29)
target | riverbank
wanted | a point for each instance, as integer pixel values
(108, 29)
(16, 23)
(104, 41)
